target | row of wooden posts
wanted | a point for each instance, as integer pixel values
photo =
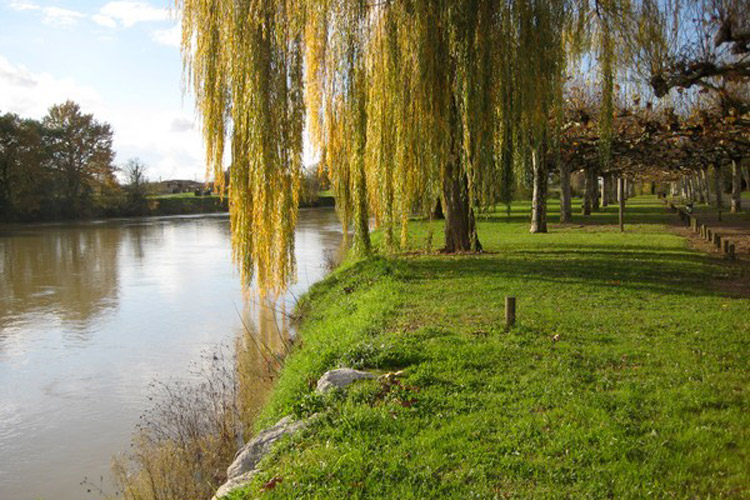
(721, 242)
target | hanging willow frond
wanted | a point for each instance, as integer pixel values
(244, 60)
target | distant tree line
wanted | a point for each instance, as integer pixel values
(62, 167)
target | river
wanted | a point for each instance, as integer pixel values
(91, 313)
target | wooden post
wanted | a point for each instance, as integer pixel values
(510, 312)
(621, 201)
(717, 241)
(731, 250)
(709, 235)
(725, 245)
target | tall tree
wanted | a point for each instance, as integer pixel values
(23, 178)
(81, 155)
(136, 188)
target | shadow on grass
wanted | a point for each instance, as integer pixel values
(639, 211)
(638, 269)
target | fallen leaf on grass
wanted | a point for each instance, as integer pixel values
(271, 484)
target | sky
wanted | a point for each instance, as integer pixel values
(119, 60)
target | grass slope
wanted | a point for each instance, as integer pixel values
(645, 392)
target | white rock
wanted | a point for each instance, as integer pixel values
(249, 455)
(340, 378)
(234, 483)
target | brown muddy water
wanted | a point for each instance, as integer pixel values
(92, 313)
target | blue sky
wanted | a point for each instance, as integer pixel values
(119, 60)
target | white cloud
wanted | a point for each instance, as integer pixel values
(170, 36)
(16, 5)
(17, 76)
(165, 138)
(57, 16)
(31, 94)
(181, 124)
(105, 21)
(128, 14)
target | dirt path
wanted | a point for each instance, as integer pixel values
(736, 227)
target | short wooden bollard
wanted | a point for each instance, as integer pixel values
(725, 246)
(731, 251)
(510, 312)
(709, 235)
(717, 240)
(703, 231)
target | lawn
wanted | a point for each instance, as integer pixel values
(626, 376)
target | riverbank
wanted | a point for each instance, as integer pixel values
(625, 376)
(165, 205)
(186, 204)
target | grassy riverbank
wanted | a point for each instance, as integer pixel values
(625, 377)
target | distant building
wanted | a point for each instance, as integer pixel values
(179, 186)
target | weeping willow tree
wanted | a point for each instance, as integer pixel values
(458, 95)
(406, 101)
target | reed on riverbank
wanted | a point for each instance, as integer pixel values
(185, 439)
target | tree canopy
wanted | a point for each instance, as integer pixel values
(409, 102)
(59, 166)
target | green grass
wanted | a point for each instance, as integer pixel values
(645, 392)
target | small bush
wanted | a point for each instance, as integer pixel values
(186, 440)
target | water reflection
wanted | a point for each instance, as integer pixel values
(91, 313)
(68, 273)
(262, 343)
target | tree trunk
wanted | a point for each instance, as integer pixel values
(595, 191)
(586, 203)
(692, 188)
(437, 211)
(362, 245)
(621, 202)
(699, 189)
(604, 198)
(539, 198)
(566, 212)
(746, 175)
(736, 187)
(718, 186)
(705, 187)
(460, 228)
